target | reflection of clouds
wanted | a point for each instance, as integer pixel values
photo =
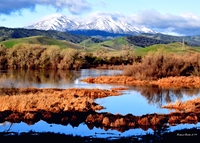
(5, 123)
(5, 126)
(96, 72)
(100, 101)
(86, 85)
(76, 81)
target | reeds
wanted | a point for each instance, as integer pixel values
(187, 106)
(55, 100)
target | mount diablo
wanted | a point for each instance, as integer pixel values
(99, 26)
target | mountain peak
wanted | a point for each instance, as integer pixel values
(54, 22)
(108, 24)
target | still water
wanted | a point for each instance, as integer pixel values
(137, 100)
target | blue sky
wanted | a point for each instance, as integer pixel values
(177, 17)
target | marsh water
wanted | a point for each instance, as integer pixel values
(137, 100)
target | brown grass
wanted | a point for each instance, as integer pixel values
(182, 81)
(54, 100)
(187, 106)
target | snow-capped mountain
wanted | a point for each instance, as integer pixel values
(113, 26)
(107, 24)
(62, 23)
(56, 22)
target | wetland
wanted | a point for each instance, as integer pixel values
(62, 103)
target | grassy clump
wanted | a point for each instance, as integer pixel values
(159, 65)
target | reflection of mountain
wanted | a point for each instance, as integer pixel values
(30, 77)
(157, 95)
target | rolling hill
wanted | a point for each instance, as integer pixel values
(176, 47)
(111, 45)
(11, 36)
(141, 41)
(14, 33)
(41, 40)
(189, 40)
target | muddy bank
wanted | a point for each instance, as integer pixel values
(187, 106)
(101, 120)
(175, 82)
(54, 100)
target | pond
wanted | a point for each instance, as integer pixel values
(137, 100)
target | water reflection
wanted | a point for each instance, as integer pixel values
(83, 130)
(37, 77)
(156, 95)
(148, 100)
(51, 78)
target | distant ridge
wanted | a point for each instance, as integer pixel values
(8, 33)
(189, 40)
(141, 40)
(42, 40)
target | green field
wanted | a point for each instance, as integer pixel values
(113, 46)
(176, 47)
(40, 40)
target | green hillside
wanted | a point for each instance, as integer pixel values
(111, 45)
(14, 33)
(176, 47)
(114, 46)
(190, 40)
(40, 40)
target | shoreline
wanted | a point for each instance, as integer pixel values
(169, 82)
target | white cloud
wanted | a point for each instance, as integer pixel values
(187, 24)
(95, 15)
(184, 24)
(74, 6)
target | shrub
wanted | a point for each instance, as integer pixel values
(70, 59)
(159, 65)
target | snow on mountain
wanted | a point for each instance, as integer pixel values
(63, 23)
(108, 25)
(57, 22)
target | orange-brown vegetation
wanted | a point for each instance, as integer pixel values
(35, 56)
(76, 106)
(182, 81)
(54, 100)
(187, 106)
(115, 80)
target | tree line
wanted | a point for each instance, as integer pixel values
(35, 56)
